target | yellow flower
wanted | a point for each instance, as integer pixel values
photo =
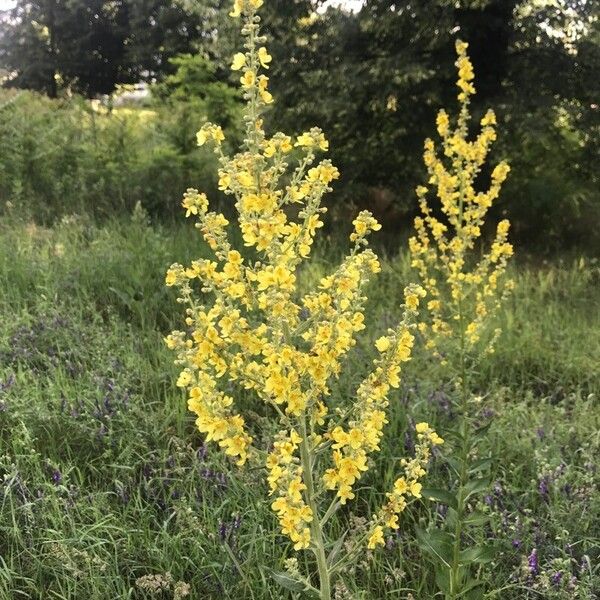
(460, 289)
(239, 61)
(264, 57)
(171, 278)
(412, 301)
(488, 119)
(265, 95)
(376, 538)
(415, 489)
(248, 327)
(363, 224)
(247, 79)
(442, 123)
(236, 11)
(210, 132)
(382, 344)
(201, 137)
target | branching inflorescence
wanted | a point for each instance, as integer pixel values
(462, 293)
(259, 334)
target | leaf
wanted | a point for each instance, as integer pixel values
(286, 581)
(474, 486)
(442, 580)
(454, 464)
(124, 297)
(454, 436)
(480, 465)
(476, 518)
(482, 431)
(478, 554)
(451, 517)
(437, 543)
(439, 495)
(335, 550)
(476, 592)
(471, 584)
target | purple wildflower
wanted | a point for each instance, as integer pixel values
(543, 488)
(533, 563)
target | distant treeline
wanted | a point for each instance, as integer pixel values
(373, 80)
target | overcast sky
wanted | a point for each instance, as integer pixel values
(351, 4)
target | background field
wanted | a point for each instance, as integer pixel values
(105, 481)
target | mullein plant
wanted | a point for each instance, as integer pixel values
(249, 330)
(465, 290)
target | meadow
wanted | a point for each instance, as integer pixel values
(187, 407)
(108, 491)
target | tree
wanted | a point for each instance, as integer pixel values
(374, 80)
(90, 46)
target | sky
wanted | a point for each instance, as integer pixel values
(350, 4)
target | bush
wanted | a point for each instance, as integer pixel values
(66, 156)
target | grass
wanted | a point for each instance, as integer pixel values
(108, 492)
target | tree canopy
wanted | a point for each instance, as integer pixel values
(90, 46)
(373, 79)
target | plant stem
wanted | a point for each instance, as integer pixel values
(463, 457)
(316, 531)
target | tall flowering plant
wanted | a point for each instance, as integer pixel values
(253, 330)
(465, 290)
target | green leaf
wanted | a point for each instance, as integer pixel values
(286, 581)
(475, 593)
(454, 464)
(470, 585)
(476, 518)
(451, 517)
(454, 437)
(436, 543)
(440, 496)
(442, 580)
(333, 554)
(481, 465)
(475, 486)
(478, 554)
(482, 431)
(124, 297)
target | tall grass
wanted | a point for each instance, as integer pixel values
(103, 481)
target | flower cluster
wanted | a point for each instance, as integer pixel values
(352, 444)
(406, 486)
(440, 249)
(251, 332)
(285, 478)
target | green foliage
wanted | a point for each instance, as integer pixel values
(89, 46)
(64, 156)
(374, 81)
(194, 83)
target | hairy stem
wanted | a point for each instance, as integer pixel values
(316, 531)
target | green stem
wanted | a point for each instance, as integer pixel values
(316, 531)
(463, 457)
